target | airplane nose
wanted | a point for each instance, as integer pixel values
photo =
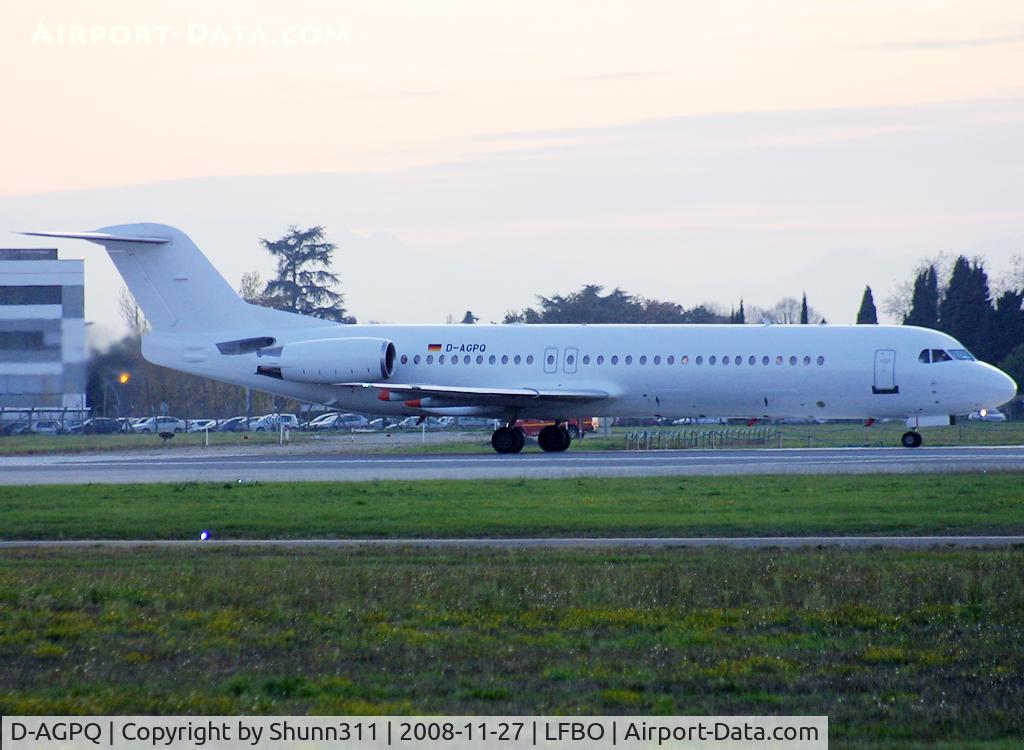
(1001, 387)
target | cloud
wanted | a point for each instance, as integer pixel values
(621, 76)
(916, 45)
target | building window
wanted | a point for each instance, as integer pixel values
(30, 295)
(23, 340)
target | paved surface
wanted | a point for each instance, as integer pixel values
(556, 543)
(292, 466)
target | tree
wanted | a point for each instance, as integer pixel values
(805, 317)
(303, 284)
(131, 313)
(251, 287)
(1006, 331)
(588, 305)
(965, 310)
(469, 318)
(924, 304)
(738, 317)
(1013, 365)
(867, 313)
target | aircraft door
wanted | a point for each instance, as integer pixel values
(885, 372)
(551, 359)
(572, 354)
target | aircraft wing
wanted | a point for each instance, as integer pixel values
(469, 395)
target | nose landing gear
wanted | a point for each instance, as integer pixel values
(911, 439)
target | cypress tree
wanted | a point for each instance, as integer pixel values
(1007, 329)
(924, 307)
(966, 311)
(867, 313)
(804, 316)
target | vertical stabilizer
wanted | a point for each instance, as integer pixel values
(177, 288)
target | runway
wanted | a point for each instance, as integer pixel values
(751, 542)
(266, 465)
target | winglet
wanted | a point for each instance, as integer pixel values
(100, 237)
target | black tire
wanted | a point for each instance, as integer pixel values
(911, 440)
(554, 439)
(507, 440)
(565, 437)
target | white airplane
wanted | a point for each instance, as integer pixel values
(201, 326)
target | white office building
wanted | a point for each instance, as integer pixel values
(42, 331)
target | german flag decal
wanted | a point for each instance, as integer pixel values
(433, 347)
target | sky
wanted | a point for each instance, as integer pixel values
(472, 155)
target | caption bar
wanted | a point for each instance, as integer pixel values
(411, 732)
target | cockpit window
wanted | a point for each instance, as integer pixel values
(962, 354)
(938, 355)
(923, 356)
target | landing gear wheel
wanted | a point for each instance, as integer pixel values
(554, 439)
(507, 440)
(911, 440)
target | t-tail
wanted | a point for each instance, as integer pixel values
(177, 288)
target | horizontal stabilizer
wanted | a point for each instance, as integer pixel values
(100, 237)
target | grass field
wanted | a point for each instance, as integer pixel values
(656, 506)
(32, 445)
(898, 648)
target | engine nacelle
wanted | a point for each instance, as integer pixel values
(340, 360)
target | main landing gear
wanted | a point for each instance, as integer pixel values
(911, 439)
(508, 439)
(554, 438)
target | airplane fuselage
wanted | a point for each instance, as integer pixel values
(751, 371)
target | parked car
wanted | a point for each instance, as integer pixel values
(989, 415)
(201, 425)
(160, 424)
(16, 428)
(273, 422)
(235, 424)
(311, 424)
(382, 424)
(340, 422)
(532, 427)
(46, 427)
(96, 426)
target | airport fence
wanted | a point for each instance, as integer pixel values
(740, 437)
